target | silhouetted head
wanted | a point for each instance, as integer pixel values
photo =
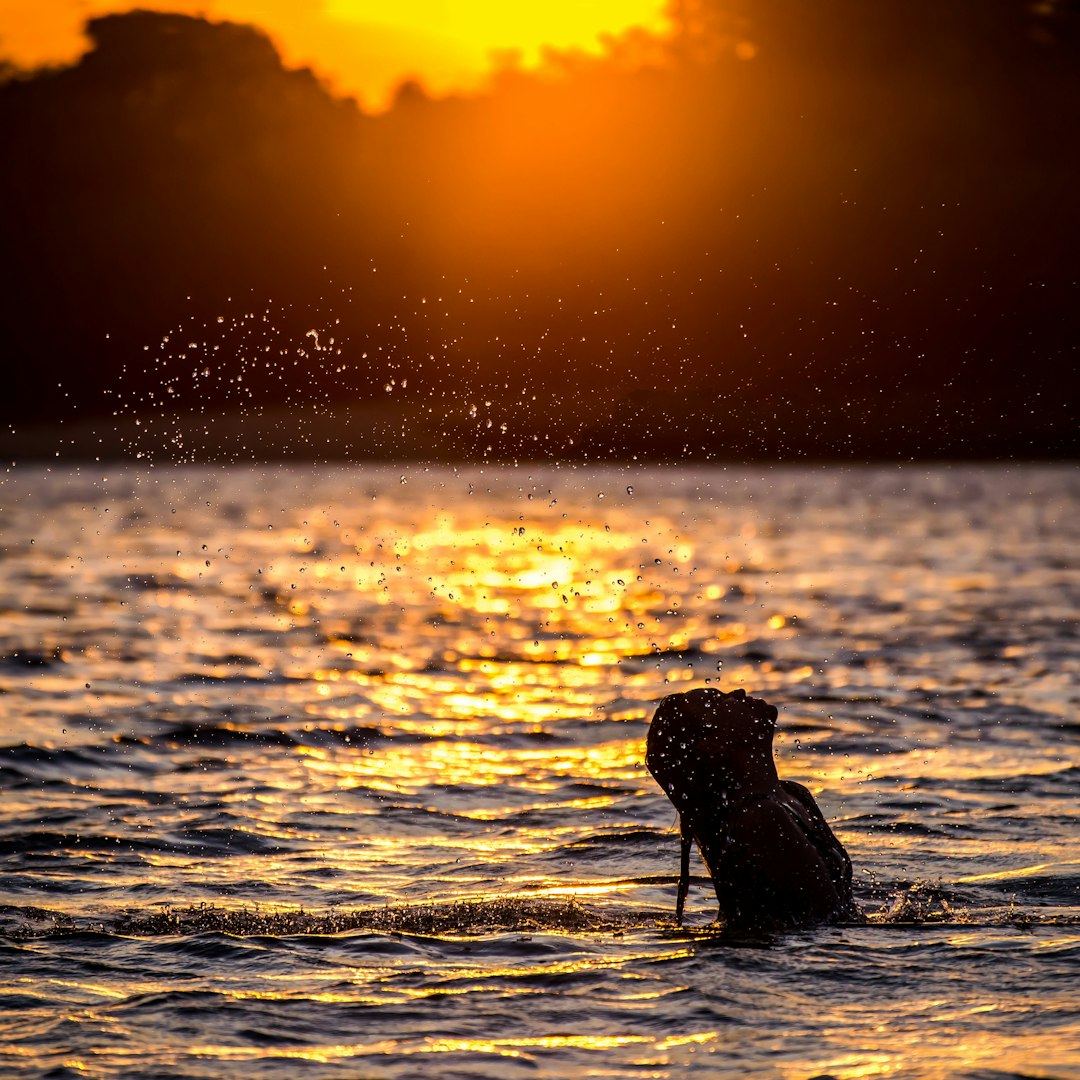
(705, 744)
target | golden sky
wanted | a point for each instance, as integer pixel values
(362, 47)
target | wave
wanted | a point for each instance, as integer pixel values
(196, 841)
(459, 917)
(34, 657)
(920, 904)
(26, 760)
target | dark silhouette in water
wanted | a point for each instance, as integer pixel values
(773, 859)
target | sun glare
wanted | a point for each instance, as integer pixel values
(484, 26)
(455, 47)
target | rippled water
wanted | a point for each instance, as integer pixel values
(339, 771)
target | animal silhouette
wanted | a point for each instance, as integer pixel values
(773, 859)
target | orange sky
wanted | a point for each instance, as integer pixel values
(363, 47)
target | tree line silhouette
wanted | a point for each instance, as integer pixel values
(792, 228)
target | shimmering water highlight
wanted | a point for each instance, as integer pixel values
(341, 769)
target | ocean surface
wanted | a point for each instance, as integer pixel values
(338, 771)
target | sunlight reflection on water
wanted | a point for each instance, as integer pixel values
(335, 689)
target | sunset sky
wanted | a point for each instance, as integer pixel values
(362, 47)
(785, 227)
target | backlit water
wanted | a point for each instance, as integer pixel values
(338, 772)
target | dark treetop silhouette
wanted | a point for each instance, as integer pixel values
(773, 859)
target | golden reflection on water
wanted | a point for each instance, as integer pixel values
(510, 1048)
(522, 617)
(523, 623)
(543, 617)
(1018, 872)
(472, 665)
(585, 593)
(460, 763)
(940, 1037)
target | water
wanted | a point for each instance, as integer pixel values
(338, 772)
